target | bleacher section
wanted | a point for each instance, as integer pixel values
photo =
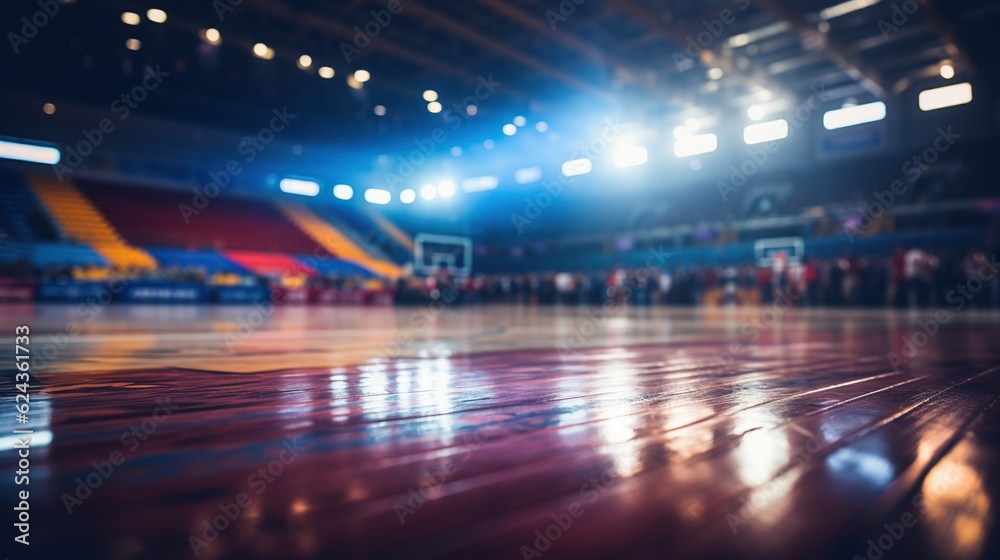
(152, 218)
(269, 264)
(391, 241)
(209, 261)
(337, 243)
(397, 235)
(82, 222)
(21, 217)
(42, 255)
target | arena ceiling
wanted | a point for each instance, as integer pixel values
(645, 58)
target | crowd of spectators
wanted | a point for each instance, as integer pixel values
(911, 277)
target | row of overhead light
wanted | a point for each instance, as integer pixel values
(356, 80)
(430, 191)
(213, 37)
(688, 143)
(154, 15)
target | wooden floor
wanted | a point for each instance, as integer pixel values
(508, 433)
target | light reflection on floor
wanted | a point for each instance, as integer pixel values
(808, 436)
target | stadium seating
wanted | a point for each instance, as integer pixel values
(21, 217)
(208, 261)
(378, 233)
(152, 218)
(269, 264)
(82, 222)
(42, 255)
(337, 243)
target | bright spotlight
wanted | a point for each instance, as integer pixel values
(576, 167)
(28, 152)
(520, 121)
(948, 96)
(130, 18)
(299, 186)
(428, 192)
(715, 73)
(479, 184)
(133, 44)
(694, 145)
(446, 189)
(430, 95)
(755, 112)
(260, 50)
(326, 72)
(528, 175)
(471, 110)
(853, 116)
(947, 71)
(630, 156)
(211, 36)
(509, 129)
(305, 61)
(434, 107)
(845, 8)
(378, 196)
(380, 110)
(362, 76)
(407, 196)
(766, 132)
(156, 15)
(343, 192)
(740, 40)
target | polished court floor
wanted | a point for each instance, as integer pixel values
(508, 433)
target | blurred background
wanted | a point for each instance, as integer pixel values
(539, 152)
